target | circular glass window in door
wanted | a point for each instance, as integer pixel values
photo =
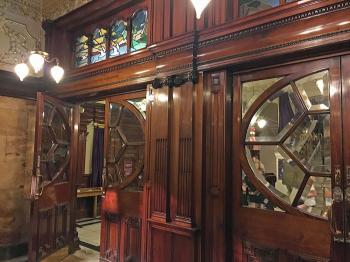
(55, 143)
(125, 155)
(286, 132)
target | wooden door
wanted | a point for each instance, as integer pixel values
(123, 217)
(52, 190)
(288, 162)
(345, 69)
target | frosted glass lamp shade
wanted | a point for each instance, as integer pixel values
(37, 61)
(57, 73)
(200, 5)
(22, 71)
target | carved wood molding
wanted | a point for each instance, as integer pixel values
(276, 23)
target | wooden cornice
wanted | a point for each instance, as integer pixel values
(10, 85)
(279, 31)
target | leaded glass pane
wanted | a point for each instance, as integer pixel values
(276, 170)
(275, 117)
(314, 90)
(99, 45)
(139, 31)
(81, 51)
(118, 42)
(140, 104)
(249, 7)
(316, 198)
(253, 89)
(310, 143)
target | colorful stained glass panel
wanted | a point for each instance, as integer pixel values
(81, 51)
(139, 31)
(99, 45)
(118, 44)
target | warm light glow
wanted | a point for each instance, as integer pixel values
(344, 23)
(262, 123)
(200, 5)
(57, 73)
(320, 85)
(312, 30)
(37, 61)
(22, 71)
(150, 98)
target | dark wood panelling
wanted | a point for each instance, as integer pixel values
(216, 159)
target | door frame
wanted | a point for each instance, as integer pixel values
(242, 215)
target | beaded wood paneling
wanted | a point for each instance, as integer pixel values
(160, 176)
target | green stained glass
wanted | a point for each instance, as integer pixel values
(99, 45)
(140, 104)
(81, 51)
(118, 44)
(249, 7)
(139, 31)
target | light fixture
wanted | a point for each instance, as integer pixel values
(37, 60)
(200, 5)
(262, 123)
(22, 70)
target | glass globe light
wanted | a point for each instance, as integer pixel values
(37, 61)
(57, 73)
(200, 5)
(21, 70)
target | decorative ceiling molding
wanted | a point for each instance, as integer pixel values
(56, 8)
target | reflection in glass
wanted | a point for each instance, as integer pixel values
(252, 198)
(115, 111)
(316, 198)
(59, 127)
(140, 104)
(275, 117)
(99, 45)
(272, 166)
(310, 143)
(118, 44)
(125, 147)
(249, 7)
(139, 31)
(253, 89)
(314, 90)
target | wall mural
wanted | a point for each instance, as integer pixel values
(20, 26)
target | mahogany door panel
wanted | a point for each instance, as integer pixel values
(123, 215)
(53, 179)
(287, 161)
(345, 65)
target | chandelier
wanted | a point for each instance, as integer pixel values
(37, 60)
(200, 5)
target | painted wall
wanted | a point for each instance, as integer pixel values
(20, 26)
(17, 132)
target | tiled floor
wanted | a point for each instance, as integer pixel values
(89, 233)
(84, 254)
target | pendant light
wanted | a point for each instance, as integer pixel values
(200, 5)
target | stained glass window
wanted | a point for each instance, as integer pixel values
(119, 44)
(81, 51)
(139, 31)
(99, 45)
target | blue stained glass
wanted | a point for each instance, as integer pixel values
(139, 31)
(81, 51)
(119, 44)
(99, 45)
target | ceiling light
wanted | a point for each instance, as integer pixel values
(200, 5)
(22, 70)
